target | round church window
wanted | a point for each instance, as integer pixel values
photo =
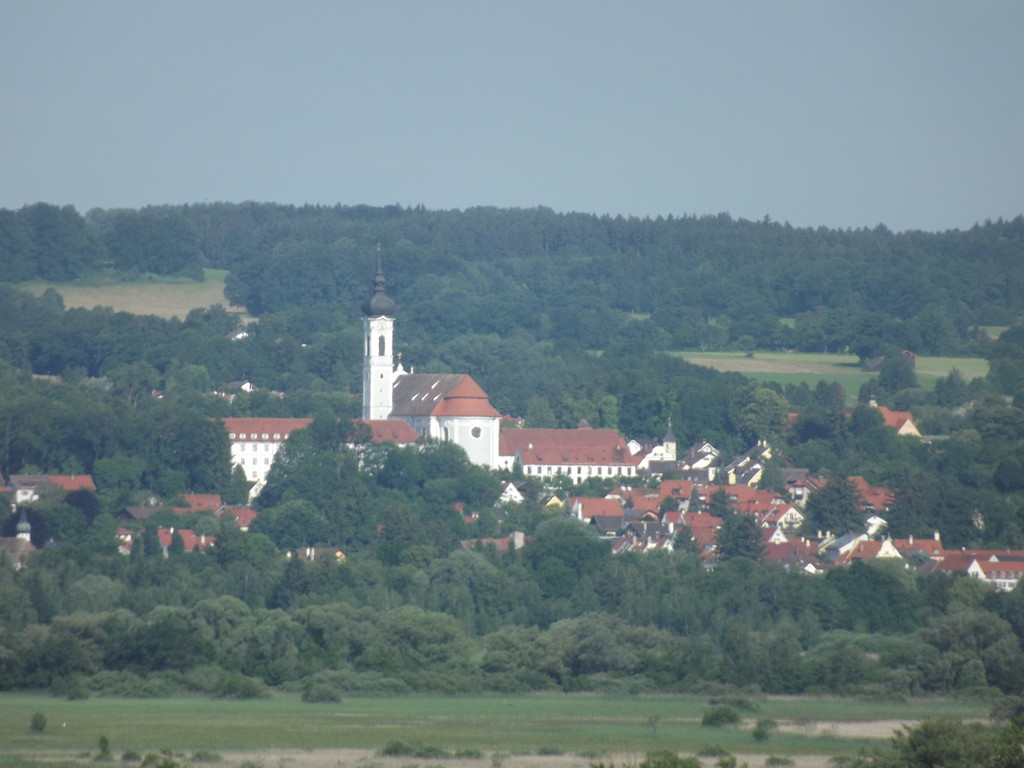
(476, 432)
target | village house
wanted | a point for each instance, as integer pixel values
(29, 488)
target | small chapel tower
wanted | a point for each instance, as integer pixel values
(378, 357)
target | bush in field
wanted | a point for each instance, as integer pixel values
(38, 722)
(764, 728)
(720, 716)
(320, 693)
(235, 685)
(401, 749)
(667, 759)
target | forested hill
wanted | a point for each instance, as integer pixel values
(686, 282)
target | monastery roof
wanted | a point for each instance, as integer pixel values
(391, 431)
(566, 446)
(267, 430)
(440, 394)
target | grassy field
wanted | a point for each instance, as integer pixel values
(539, 724)
(164, 297)
(796, 367)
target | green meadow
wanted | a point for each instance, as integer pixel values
(149, 295)
(797, 367)
(533, 724)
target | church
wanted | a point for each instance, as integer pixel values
(438, 406)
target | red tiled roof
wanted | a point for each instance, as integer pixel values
(877, 497)
(895, 419)
(243, 515)
(598, 447)
(200, 502)
(73, 482)
(391, 431)
(594, 506)
(188, 537)
(265, 430)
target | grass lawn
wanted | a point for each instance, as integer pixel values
(797, 367)
(546, 723)
(152, 295)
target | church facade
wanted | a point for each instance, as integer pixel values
(443, 406)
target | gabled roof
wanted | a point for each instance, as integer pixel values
(901, 421)
(191, 540)
(585, 507)
(67, 483)
(391, 431)
(243, 516)
(264, 430)
(878, 498)
(199, 502)
(599, 447)
(440, 394)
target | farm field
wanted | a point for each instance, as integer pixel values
(163, 297)
(796, 367)
(541, 731)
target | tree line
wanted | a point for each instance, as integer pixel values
(680, 282)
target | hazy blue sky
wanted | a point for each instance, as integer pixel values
(843, 114)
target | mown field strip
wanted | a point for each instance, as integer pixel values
(578, 724)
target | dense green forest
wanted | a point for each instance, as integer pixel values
(560, 318)
(682, 282)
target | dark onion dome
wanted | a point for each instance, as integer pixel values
(380, 303)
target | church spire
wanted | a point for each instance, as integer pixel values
(380, 304)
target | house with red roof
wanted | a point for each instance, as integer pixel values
(193, 542)
(29, 488)
(901, 421)
(583, 508)
(1002, 574)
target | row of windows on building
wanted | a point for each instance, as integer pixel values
(254, 436)
(610, 471)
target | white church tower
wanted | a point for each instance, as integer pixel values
(378, 358)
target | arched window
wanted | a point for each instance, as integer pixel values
(380, 345)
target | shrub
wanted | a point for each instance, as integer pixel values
(130, 756)
(775, 760)
(205, 756)
(38, 722)
(667, 759)
(764, 728)
(714, 750)
(719, 716)
(401, 749)
(235, 685)
(319, 693)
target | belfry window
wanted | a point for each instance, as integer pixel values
(380, 345)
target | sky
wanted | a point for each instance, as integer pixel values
(838, 114)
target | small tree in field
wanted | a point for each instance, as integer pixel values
(38, 722)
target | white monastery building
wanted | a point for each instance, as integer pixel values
(403, 407)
